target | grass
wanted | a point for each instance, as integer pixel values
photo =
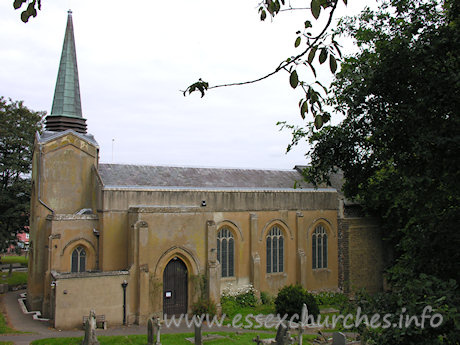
(7, 259)
(166, 339)
(16, 278)
(4, 329)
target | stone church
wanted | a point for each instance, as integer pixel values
(134, 241)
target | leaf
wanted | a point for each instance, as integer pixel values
(297, 41)
(200, 85)
(332, 63)
(308, 24)
(324, 88)
(25, 16)
(312, 68)
(294, 79)
(323, 55)
(18, 3)
(263, 15)
(345, 2)
(315, 8)
(318, 121)
(304, 109)
(312, 53)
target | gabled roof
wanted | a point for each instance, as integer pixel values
(119, 175)
(48, 136)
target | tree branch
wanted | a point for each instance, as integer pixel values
(286, 63)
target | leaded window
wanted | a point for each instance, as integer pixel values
(275, 250)
(79, 260)
(319, 247)
(226, 251)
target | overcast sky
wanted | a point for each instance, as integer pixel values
(135, 57)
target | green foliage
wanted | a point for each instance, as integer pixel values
(16, 278)
(6, 259)
(422, 295)
(329, 298)
(291, 298)
(247, 299)
(266, 298)
(204, 306)
(4, 327)
(18, 126)
(30, 11)
(398, 148)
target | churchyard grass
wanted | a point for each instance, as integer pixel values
(166, 339)
(7, 259)
(16, 278)
(4, 329)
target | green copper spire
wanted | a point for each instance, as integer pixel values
(66, 109)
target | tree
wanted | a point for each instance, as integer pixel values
(18, 126)
(399, 150)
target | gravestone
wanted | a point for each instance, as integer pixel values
(153, 331)
(338, 338)
(90, 330)
(282, 336)
(300, 340)
(198, 340)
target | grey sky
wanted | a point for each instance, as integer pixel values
(134, 59)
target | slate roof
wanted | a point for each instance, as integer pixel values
(119, 175)
(50, 135)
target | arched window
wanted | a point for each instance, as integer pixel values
(79, 260)
(319, 247)
(226, 251)
(275, 250)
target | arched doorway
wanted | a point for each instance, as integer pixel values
(175, 288)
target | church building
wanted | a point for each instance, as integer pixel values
(132, 241)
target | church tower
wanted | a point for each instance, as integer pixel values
(63, 198)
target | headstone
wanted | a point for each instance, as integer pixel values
(150, 337)
(282, 336)
(198, 335)
(300, 341)
(157, 330)
(338, 338)
(153, 331)
(90, 330)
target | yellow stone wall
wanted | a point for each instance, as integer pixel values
(102, 292)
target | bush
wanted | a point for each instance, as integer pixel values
(290, 301)
(266, 298)
(331, 298)
(244, 296)
(204, 306)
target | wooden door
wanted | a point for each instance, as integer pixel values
(175, 288)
